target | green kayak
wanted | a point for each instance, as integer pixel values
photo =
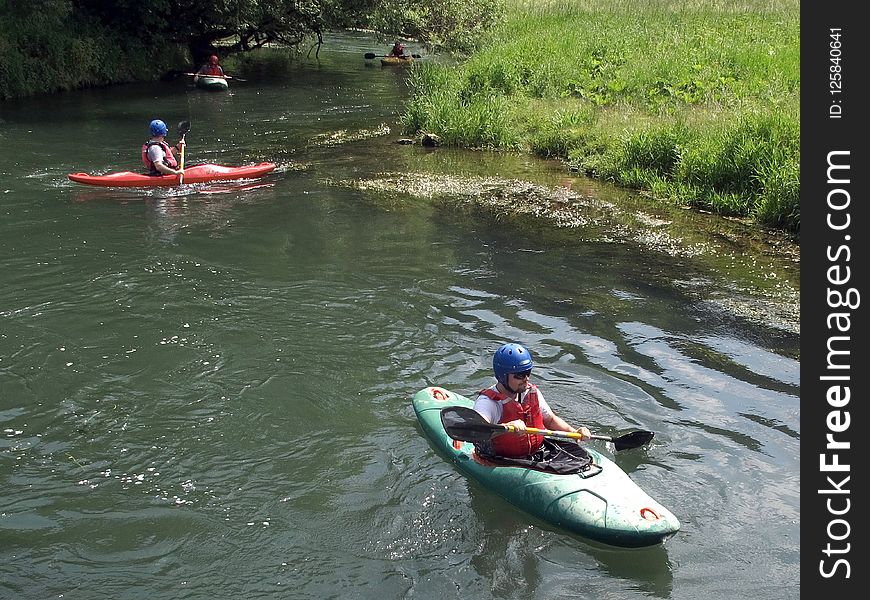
(601, 503)
(208, 82)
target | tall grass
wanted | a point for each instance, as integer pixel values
(696, 101)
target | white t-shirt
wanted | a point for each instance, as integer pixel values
(491, 410)
(156, 153)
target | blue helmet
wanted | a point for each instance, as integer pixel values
(510, 358)
(158, 127)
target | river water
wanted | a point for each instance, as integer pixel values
(205, 391)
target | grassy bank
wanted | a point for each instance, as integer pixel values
(696, 102)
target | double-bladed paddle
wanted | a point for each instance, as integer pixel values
(468, 425)
(183, 128)
(371, 55)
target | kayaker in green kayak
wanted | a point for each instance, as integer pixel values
(157, 154)
(517, 402)
(212, 67)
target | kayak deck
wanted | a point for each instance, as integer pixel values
(210, 82)
(601, 504)
(195, 174)
(397, 60)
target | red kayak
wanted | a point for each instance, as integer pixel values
(194, 174)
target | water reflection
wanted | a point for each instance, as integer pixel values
(516, 546)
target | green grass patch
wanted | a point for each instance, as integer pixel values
(697, 102)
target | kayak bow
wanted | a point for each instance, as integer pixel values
(210, 82)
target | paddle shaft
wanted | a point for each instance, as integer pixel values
(183, 128)
(181, 166)
(370, 55)
(570, 435)
(466, 424)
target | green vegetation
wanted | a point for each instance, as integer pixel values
(45, 46)
(696, 102)
(440, 24)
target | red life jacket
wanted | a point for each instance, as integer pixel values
(168, 158)
(512, 444)
(212, 70)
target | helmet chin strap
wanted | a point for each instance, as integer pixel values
(509, 388)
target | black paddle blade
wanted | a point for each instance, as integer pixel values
(466, 424)
(183, 128)
(635, 439)
(370, 55)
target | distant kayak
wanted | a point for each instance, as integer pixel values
(208, 82)
(195, 174)
(397, 60)
(600, 503)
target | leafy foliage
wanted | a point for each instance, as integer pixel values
(200, 24)
(449, 24)
(45, 45)
(48, 45)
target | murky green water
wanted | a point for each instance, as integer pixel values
(205, 391)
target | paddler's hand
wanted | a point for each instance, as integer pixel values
(180, 145)
(584, 433)
(519, 426)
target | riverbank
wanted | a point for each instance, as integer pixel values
(696, 105)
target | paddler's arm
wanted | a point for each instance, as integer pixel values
(166, 169)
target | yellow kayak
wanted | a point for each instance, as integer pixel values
(397, 60)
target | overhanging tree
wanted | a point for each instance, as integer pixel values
(242, 25)
(202, 25)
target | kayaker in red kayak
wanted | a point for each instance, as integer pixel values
(211, 68)
(157, 155)
(515, 401)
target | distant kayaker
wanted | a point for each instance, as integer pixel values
(398, 50)
(515, 401)
(157, 155)
(211, 67)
